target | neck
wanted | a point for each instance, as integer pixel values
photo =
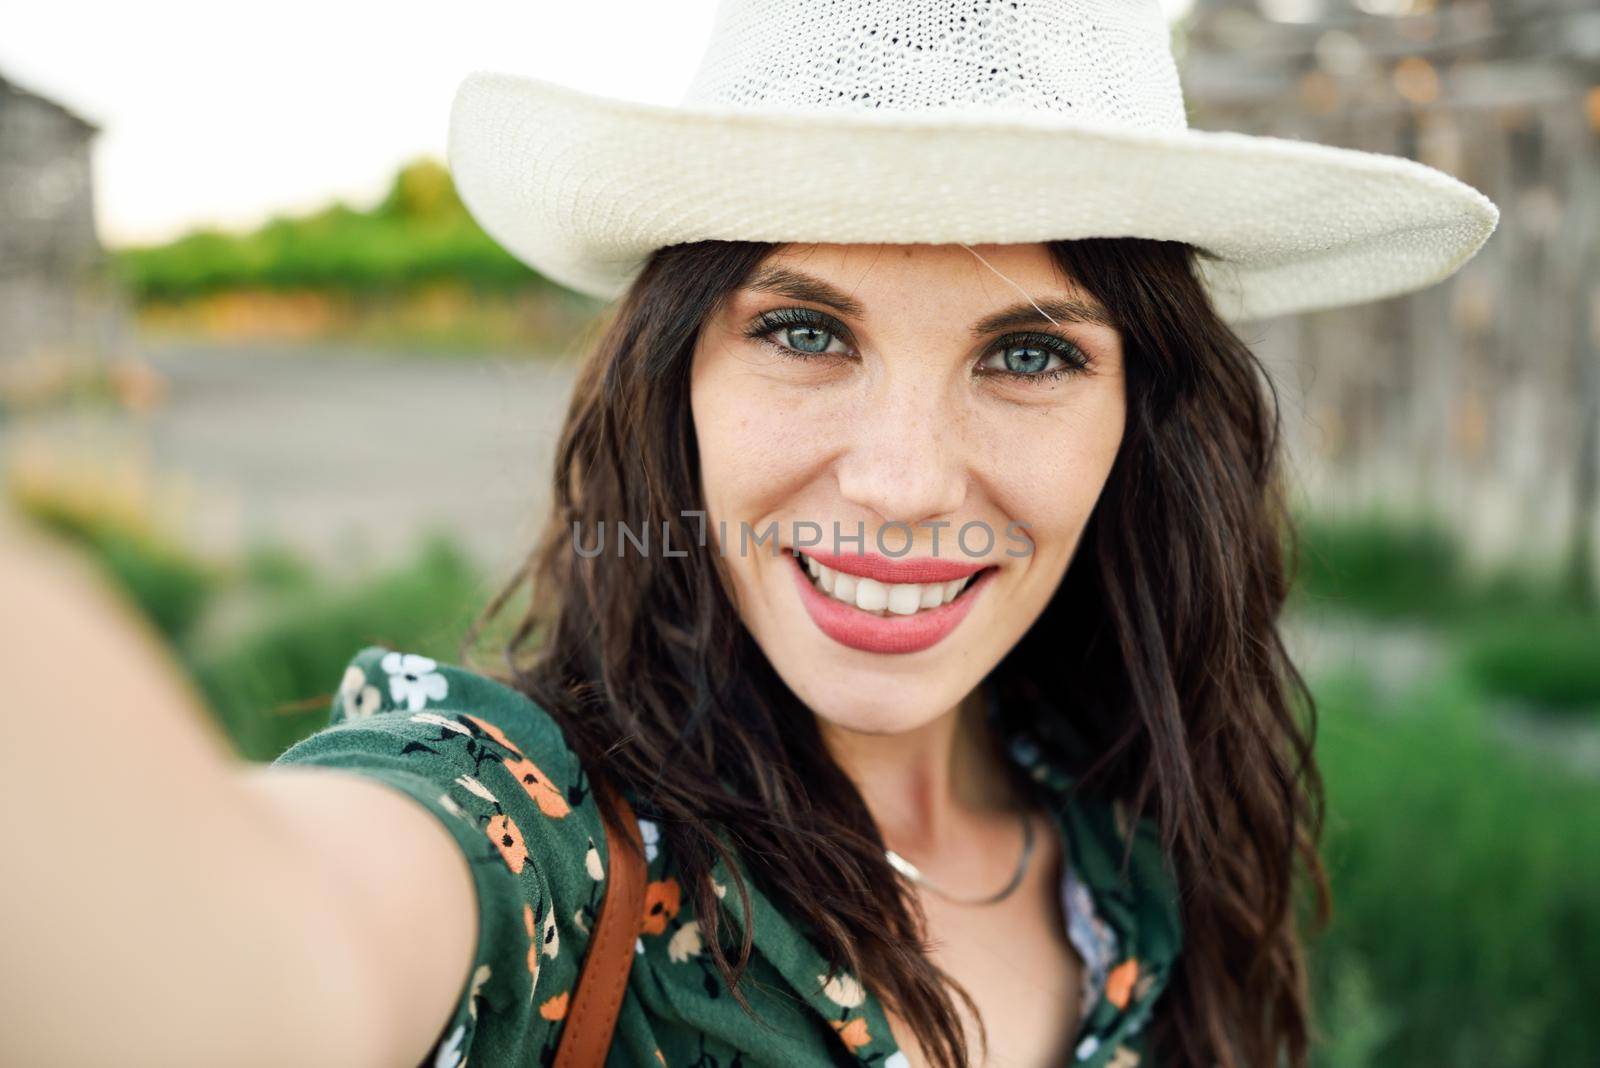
(924, 786)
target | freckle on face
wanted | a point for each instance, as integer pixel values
(901, 430)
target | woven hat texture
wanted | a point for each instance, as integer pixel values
(937, 121)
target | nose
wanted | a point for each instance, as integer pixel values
(904, 456)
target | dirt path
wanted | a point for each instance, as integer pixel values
(343, 453)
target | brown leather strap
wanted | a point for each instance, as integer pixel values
(603, 978)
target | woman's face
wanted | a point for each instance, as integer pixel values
(909, 395)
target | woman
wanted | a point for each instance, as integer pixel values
(921, 597)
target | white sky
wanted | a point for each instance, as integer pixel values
(222, 113)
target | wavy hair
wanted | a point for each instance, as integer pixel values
(1161, 645)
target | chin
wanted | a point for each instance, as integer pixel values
(866, 701)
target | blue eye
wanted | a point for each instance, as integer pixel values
(798, 332)
(1034, 357)
(1026, 359)
(812, 339)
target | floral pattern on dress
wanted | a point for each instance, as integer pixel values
(1125, 926)
(1090, 935)
(494, 769)
(414, 680)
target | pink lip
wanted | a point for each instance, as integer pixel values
(888, 569)
(870, 633)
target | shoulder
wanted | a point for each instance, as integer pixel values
(382, 682)
(478, 740)
(493, 767)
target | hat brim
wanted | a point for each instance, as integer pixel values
(583, 188)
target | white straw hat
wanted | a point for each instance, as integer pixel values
(942, 121)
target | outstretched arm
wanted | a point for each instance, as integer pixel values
(165, 902)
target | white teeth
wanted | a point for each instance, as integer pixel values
(826, 579)
(870, 595)
(905, 599)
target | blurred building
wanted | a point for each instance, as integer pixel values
(1476, 400)
(54, 296)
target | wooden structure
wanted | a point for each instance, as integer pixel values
(54, 296)
(1476, 401)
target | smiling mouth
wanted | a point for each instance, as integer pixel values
(882, 598)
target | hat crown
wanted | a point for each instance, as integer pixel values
(1095, 61)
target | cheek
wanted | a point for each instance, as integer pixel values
(1047, 467)
(759, 443)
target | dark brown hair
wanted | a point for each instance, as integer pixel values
(1161, 644)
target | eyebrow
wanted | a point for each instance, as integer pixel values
(797, 285)
(787, 282)
(1061, 309)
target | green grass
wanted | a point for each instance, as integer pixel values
(1378, 566)
(272, 684)
(1549, 660)
(269, 675)
(420, 233)
(1516, 633)
(1467, 890)
(1388, 567)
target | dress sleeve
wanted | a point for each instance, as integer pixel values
(492, 768)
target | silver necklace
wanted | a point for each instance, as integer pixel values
(912, 872)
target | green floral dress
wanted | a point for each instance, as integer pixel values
(491, 765)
